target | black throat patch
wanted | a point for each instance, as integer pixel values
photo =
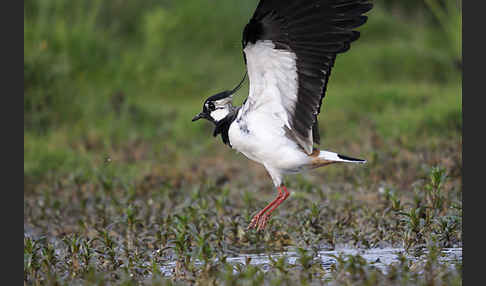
(222, 126)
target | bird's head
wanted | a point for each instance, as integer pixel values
(216, 107)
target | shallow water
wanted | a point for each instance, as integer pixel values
(380, 258)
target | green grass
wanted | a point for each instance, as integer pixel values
(118, 180)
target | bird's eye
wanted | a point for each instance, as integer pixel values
(211, 106)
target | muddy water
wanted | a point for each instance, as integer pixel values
(381, 258)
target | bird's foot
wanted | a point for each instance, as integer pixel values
(262, 223)
(254, 221)
(259, 222)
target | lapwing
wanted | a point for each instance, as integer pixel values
(289, 48)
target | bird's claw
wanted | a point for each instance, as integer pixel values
(259, 222)
(262, 223)
(253, 222)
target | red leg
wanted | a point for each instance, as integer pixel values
(256, 218)
(263, 222)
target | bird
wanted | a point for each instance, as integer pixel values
(289, 49)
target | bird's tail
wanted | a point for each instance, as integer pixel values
(322, 158)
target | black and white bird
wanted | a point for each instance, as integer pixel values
(289, 47)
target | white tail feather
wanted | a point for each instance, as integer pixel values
(335, 157)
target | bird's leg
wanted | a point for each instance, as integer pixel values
(256, 218)
(262, 223)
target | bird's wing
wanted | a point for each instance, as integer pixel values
(289, 48)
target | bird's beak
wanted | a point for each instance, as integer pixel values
(199, 116)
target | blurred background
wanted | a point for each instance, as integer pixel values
(117, 82)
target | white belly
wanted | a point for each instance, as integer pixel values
(262, 138)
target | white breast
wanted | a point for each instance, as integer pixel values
(261, 138)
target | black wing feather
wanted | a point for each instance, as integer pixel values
(316, 31)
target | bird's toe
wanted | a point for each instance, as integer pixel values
(262, 223)
(254, 222)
